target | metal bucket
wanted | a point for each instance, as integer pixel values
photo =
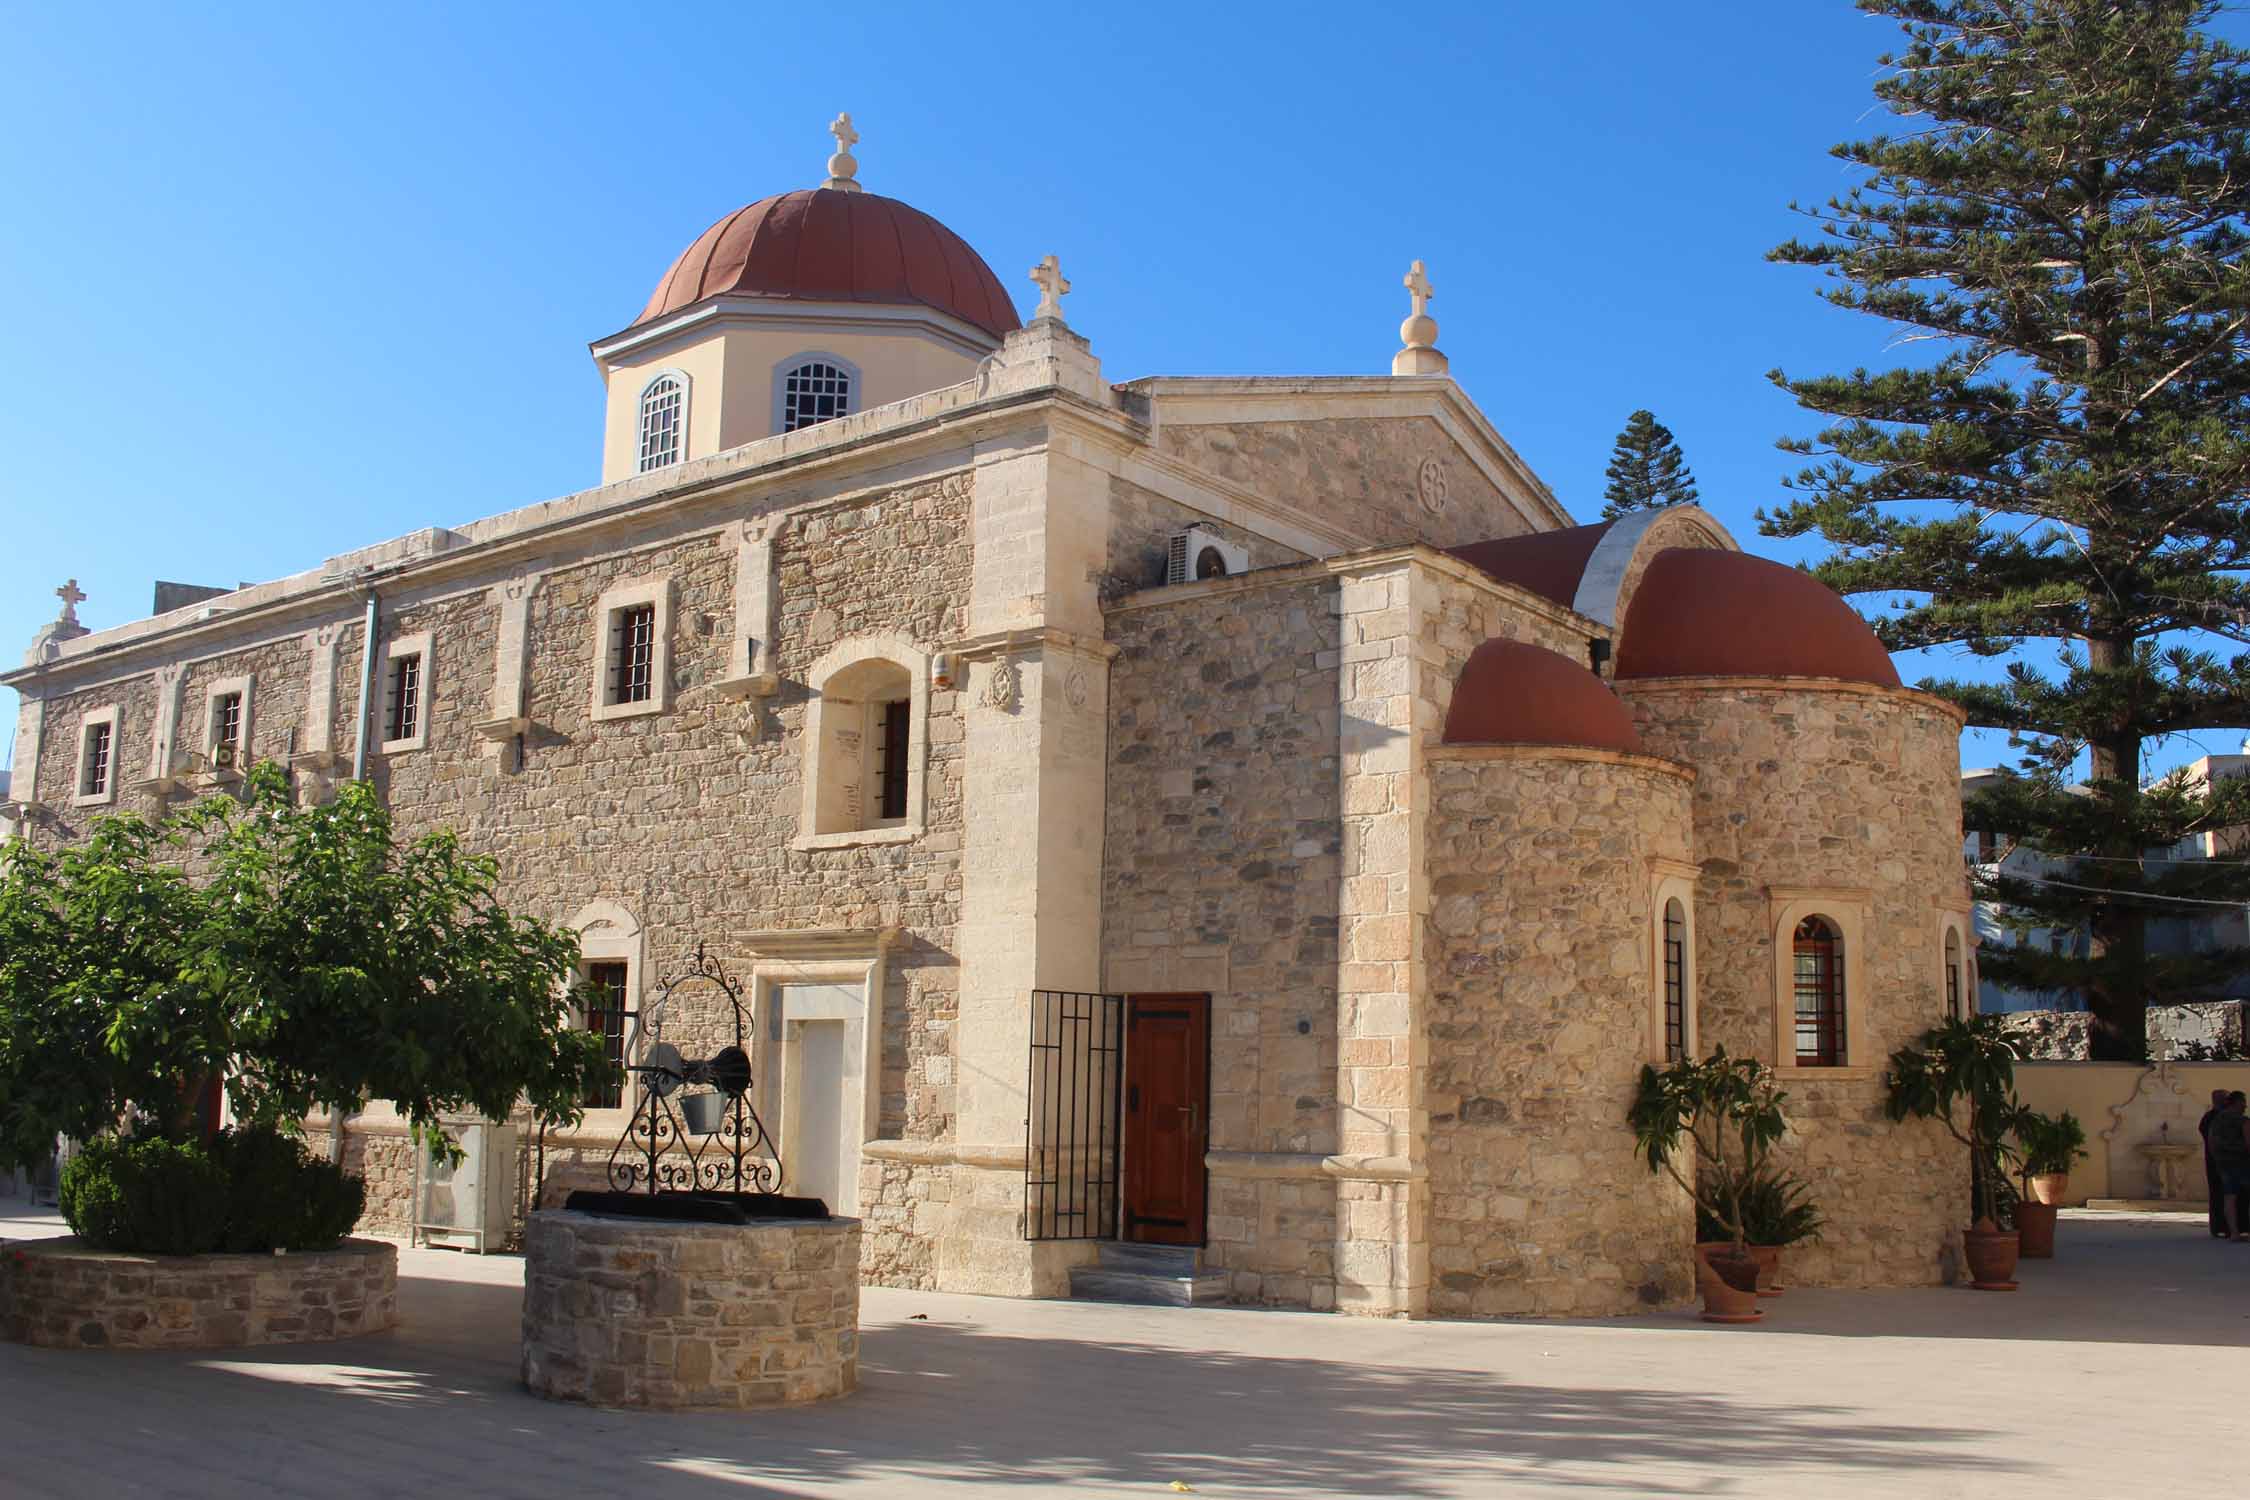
(704, 1113)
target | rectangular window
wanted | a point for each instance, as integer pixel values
(1675, 983)
(632, 655)
(93, 774)
(403, 718)
(226, 731)
(891, 759)
(606, 998)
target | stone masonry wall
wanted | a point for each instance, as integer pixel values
(1540, 946)
(64, 1294)
(1364, 471)
(1220, 873)
(685, 818)
(1802, 784)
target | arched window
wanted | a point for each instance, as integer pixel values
(1675, 981)
(1955, 980)
(663, 421)
(865, 731)
(813, 390)
(1819, 985)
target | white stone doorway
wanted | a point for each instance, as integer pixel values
(823, 1088)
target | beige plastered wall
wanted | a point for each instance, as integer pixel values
(1839, 797)
(2123, 1106)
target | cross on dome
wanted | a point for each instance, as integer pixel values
(843, 164)
(1052, 289)
(71, 597)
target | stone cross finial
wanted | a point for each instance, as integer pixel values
(1419, 332)
(1418, 287)
(1052, 289)
(843, 164)
(71, 598)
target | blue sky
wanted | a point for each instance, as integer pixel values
(285, 281)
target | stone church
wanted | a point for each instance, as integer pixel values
(1236, 830)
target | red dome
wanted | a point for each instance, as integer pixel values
(1728, 614)
(826, 245)
(1509, 693)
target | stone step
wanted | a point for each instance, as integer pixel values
(1154, 1260)
(1152, 1289)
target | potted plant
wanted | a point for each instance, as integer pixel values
(2048, 1145)
(1777, 1212)
(1963, 1073)
(1711, 1125)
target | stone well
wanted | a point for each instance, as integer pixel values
(655, 1313)
(64, 1294)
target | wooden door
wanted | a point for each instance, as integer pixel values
(1167, 1116)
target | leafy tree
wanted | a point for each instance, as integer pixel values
(1646, 469)
(1711, 1126)
(1964, 1074)
(314, 960)
(2063, 227)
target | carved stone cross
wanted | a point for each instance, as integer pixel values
(1052, 289)
(71, 599)
(841, 128)
(1418, 287)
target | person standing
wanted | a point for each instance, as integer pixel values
(2219, 1229)
(2230, 1148)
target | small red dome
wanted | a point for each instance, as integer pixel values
(827, 245)
(1509, 693)
(1728, 614)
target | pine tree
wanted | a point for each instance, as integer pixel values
(1646, 469)
(2061, 222)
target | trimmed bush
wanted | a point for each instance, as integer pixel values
(145, 1197)
(282, 1197)
(250, 1190)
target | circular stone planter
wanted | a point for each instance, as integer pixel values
(657, 1314)
(64, 1294)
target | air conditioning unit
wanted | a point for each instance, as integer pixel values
(470, 1204)
(1198, 553)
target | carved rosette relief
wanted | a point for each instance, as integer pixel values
(1003, 688)
(1432, 487)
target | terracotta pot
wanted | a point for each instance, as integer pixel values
(2049, 1188)
(1768, 1258)
(1992, 1258)
(1730, 1288)
(2035, 1230)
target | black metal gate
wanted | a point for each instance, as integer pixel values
(1070, 1118)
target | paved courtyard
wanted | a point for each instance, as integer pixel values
(2119, 1369)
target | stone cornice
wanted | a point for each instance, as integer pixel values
(1029, 638)
(1594, 755)
(1373, 560)
(1913, 697)
(867, 943)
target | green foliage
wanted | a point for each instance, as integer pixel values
(1777, 1209)
(2047, 1143)
(1711, 1125)
(1963, 1073)
(1646, 469)
(282, 1197)
(150, 1196)
(2059, 231)
(316, 961)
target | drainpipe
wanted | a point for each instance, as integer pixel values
(366, 690)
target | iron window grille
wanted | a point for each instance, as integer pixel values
(405, 713)
(95, 781)
(607, 1015)
(1819, 957)
(661, 406)
(226, 729)
(814, 392)
(632, 670)
(897, 728)
(1675, 982)
(1071, 1129)
(1952, 974)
